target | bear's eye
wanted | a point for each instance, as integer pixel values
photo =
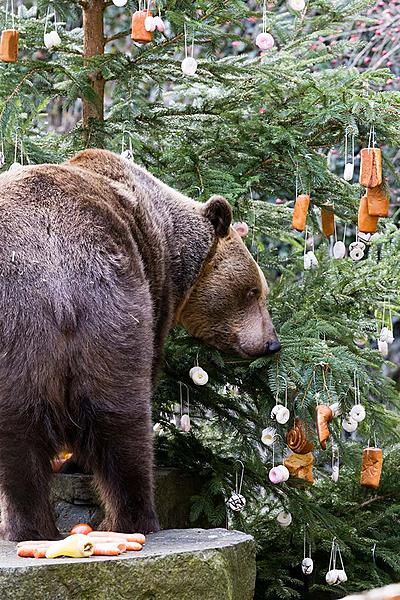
(253, 293)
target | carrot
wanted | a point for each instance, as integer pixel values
(81, 528)
(34, 543)
(108, 549)
(130, 537)
(40, 552)
(133, 547)
(33, 550)
(26, 552)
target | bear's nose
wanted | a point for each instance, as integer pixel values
(272, 347)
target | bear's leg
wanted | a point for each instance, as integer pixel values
(25, 473)
(123, 471)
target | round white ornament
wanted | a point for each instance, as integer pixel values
(149, 24)
(119, 3)
(236, 502)
(128, 154)
(284, 519)
(185, 423)
(332, 577)
(382, 346)
(2, 159)
(275, 410)
(189, 66)
(307, 566)
(342, 577)
(16, 166)
(386, 335)
(339, 250)
(52, 40)
(159, 23)
(194, 370)
(313, 259)
(358, 413)
(283, 415)
(356, 254)
(268, 436)
(265, 41)
(349, 424)
(297, 5)
(348, 171)
(157, 428)
(200, 377)
(335, 473)
(285, 472)
(307, 262)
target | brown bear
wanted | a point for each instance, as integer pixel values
(98, 260)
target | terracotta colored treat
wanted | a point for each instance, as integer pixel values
(366, 223)
(296, 438)
(324, 416)
(328, 220)
(371, 167)
(300, 466)
(300, 212)
(371, 467)
(139, 33)
(378, 202)
(9, 45)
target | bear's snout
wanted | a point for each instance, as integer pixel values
(272, 347)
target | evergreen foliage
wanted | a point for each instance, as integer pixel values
(243, 126)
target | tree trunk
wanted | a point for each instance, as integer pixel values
(93, 45)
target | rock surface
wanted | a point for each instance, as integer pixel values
(187, 564)
(390, 592)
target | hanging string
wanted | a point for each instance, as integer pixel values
(239, 489)
(185, 34)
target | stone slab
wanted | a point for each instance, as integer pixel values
(178, 564)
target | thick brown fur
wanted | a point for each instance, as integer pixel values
(98, 260)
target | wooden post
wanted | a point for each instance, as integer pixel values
(93, 45)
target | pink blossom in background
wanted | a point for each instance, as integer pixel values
(236, 43)
(242, 228)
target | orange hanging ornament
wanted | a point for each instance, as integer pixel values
(300, 466)
(371, 467)
(299, 218)
(371, 167)
(296, 438)
(328, 219)
(9, 45)
(378, 201)
(139, 32)
(366, 223)
(324, 416)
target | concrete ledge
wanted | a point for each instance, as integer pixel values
(186, 564)
(390, 592)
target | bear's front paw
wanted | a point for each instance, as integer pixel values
(140, 523)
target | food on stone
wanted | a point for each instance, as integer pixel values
(81, 528)
(73, 546)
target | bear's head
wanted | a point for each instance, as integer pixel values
(226, 307)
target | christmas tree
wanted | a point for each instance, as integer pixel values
(258, 126)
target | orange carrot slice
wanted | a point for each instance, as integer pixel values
(81, 528)
(34, 543)
(108, 549)
(130, 537)
(133, 546)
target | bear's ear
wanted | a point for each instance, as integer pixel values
(217, 210)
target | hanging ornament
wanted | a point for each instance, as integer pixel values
(357, 250)
(268, 436)
(335, 576)
(300, 212)
(335, 463)
(51, 38)
(307, 564)
(371, 163)
(300, 466)
(371, 467)
(324, 417)
(386, 335)
(296, 438)
(189, 63)
(336, 409)
(236, 501)
(378, 201)
(119, 3)
(310, 260)
(199, 376)
(366, 222)
(149, 23)
(328, 219)
(9, 39)
(159, 23)
(349, 164)
(17, 165)
(279, 473)
(139, 33)
(383, 348)
(241, 228)
(357, 413)
(349, 424)
(264, 40)
(126, 153)
(297, 5)
(339, 247)
(184, 423)
(284, 519)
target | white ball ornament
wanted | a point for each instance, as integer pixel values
(189, 66)
(52, 40)
(15, 167)
(149, 24)
(307, 566)
(119, 3)
(236, 502)
(194, 370)
(358, 413)
(332, 577)
(297, 5)
(348, 172)
(307, 262)
(383, 347)
(349, 424)
(386, 335)
(342, 576)
(200, 377)
(265, 41)
(284, 519)
(275, 410)
(283, 415)
(335, 473)
(185, 423)
(339, 250)
(285, 472)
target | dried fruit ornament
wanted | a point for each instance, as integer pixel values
(139, 33)
(371, 467)
(9, 39)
